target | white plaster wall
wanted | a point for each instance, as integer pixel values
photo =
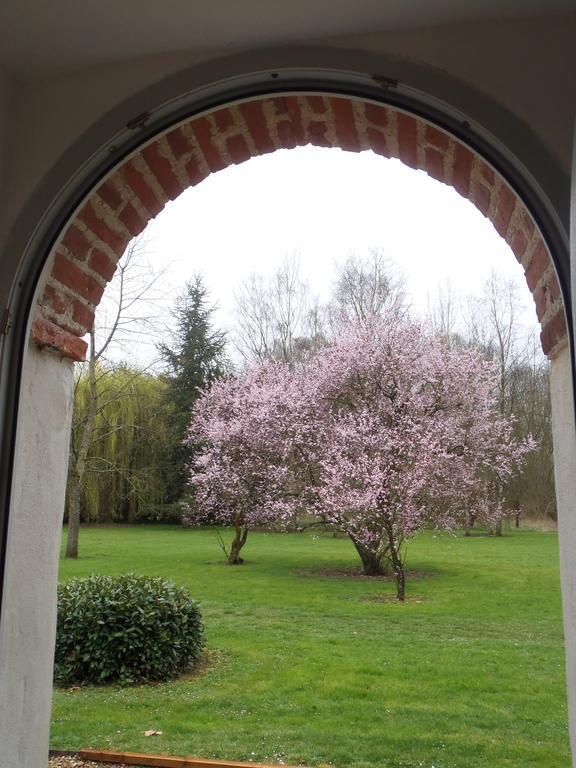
(509, 60)
(565, 478)
(5, 91)
(28, 621)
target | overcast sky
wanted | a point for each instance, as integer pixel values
(324, 204)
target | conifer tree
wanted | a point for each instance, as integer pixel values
(195, 357)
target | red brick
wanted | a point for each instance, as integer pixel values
(223, 118)
(286, 134)
(101, 264)
(47, 334)
(203, 134)
(83, 315)
(54, 299)
(76, 242)
(317, 134)
(525, 222)
(101, 229)
(253, 113)
(434, 164)
(518, 243)
(110, 195)
(538, 265)
(376, 114)
(480, 196)
(131, 220)
(554, 287)
(70, 275)
(437, 138)
(292, 107)
(178, 143)
(317, 104)
(162, 170)
(486, 172)
(407, 140)
(505, 209)
(462, 170)
(238, 149)
(377, 141)
(137, 183)
(345, 121)
(553, 332)
(195, 175)
(281, 105)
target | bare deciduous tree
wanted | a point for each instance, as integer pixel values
(121, 323)
(443, 311)
(276, 318)
(368, 286)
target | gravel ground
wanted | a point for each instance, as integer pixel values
(75, 762)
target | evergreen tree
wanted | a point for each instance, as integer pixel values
(195, 357)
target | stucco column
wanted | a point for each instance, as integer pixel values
(28, 622)
(565, 477)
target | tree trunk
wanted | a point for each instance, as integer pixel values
(399, 574)
(395, 557)
(372, 562)
(73, 517)
(470, 521)
(81, 456)
(240, 536)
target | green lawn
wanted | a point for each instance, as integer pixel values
(310, 668)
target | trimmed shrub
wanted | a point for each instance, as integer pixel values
(125, 629)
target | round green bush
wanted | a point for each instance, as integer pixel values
(125, 629)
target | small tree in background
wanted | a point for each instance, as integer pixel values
(244, 474)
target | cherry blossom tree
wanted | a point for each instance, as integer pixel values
(244, 475)
(408, 435)
(381, 433)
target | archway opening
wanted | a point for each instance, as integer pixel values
(84, 260)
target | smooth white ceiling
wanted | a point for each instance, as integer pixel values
(41, 37)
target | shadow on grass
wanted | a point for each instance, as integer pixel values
(353, 572)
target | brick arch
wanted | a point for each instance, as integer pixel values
(85, 258)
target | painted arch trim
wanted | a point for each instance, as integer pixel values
(85, 257)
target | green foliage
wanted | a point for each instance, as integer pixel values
(125, 629)
(161, 513)
(194, 358)
(126, 474)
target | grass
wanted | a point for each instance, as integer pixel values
(306, 667)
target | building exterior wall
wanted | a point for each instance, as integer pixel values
(42, 119)
(28, 621)
(495, 58)
(565, 479)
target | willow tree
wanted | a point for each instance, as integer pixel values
(122, 473)
(117, 320)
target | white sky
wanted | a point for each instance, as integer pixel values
(325, 203)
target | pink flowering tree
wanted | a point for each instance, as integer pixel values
(407, 436)
(380, 434)
(244, 476)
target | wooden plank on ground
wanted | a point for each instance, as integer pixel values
(157, 761)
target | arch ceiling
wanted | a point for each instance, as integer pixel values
(85, 258)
